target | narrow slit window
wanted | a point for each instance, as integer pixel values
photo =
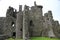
(31, 23)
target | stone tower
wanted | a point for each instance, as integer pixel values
(26, 23)
(37, 19)
(19, 23)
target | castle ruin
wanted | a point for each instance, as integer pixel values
(29, 23)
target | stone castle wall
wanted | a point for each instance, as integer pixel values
(29, 22)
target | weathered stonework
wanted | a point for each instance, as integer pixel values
(29, 23)
(19, 23)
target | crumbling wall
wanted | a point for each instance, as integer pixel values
(56, 29)
(36, 17)
(2, 19)
(10, 22)
(49, 24)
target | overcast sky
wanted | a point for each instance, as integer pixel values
(53, 5)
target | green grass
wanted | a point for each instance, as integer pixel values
(37, 38)
(43, 38)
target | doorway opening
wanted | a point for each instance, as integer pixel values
(14, 35)
(31, 22)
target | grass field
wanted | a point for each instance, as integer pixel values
(37, 38)
(43, 38)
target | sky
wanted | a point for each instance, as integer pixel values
(53, 5)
